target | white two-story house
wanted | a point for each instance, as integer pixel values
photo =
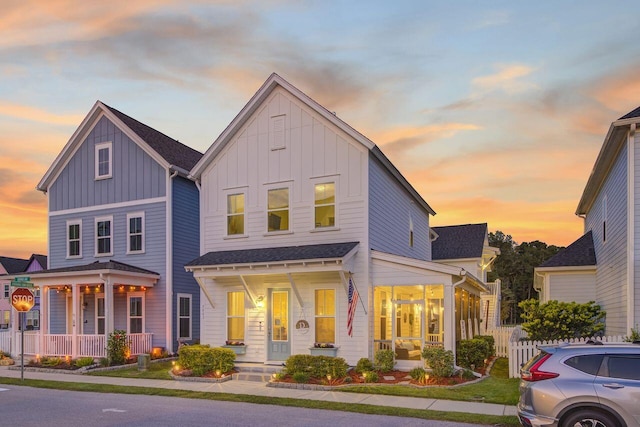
(298, 210)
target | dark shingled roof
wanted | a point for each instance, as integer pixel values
(14, 265)
(173, 151)
(579, 253)
(97, 265)
(41, 259)
(632, 114)
(459, 241)
(287, 253)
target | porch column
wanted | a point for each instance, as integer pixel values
(108, 307)
(44, 317)
(75, 302)
(449, 315)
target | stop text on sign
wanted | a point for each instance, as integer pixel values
(22, 299)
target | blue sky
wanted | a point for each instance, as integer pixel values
(494, 111)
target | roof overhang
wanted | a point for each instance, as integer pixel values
(89, 277)
(569, 269)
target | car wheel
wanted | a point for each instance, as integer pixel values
(589, 418)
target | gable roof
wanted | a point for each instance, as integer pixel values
(274, 255)
(261, 95)
(14, 265)
(168, 152)
(459, 241)
(40, 259)
(613, 143)
(578, 254)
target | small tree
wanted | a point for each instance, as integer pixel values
(117, 347)
(557, 320)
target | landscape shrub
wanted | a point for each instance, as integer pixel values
(50, 361)
(492, 344)
(384, 360)
(370, 376)
(419, 374)
(363, 365)
(555, 320)
(439, 360)
(83, 361)
(316, 366)
(473, 352)
(635, 335)
(300, 377)
(202, 359)
(117, 347)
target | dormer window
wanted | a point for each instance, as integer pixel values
(103, 160)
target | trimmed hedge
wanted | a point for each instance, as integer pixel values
(491, 341)
(316, 366)
(473, 352)
(439, 360)
(202, 359)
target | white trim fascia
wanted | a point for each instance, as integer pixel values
(94, 277)
(265, 269)
(569, 269)
(631, 253)
(169, 263)
(417, 263)
(256, 100)
(452, 260)
(94, 208)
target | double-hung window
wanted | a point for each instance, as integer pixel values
(278, 209)
(136, 313)
(325, 204)
(104, 157)
(6, 291)
(235, 316)
(325, 313)
(184, 316)
(235, 214)
(74, 239)
(100, 315)
(104, 235)
(135, 232)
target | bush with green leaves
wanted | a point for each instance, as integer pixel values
(300, 377)
(419, 374)
(439, 360)
(117, 347)
(473, 352)
(50, 361)
(555, 320)
(83, 362)
(384, 360)
(364, 365)
(492, 344)
(202, 359)
(635, 335)
(317, 366)
(370, 376)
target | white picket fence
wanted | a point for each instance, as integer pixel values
(5, 341)
(521, 351)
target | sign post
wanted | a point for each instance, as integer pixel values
(22, 300)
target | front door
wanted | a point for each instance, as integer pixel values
(279, 340)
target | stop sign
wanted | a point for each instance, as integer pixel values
(22, 299)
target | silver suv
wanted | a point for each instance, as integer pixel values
(581, 385)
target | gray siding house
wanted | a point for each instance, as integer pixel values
(604, 264)
(123, 220)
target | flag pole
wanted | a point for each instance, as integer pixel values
(354, 285)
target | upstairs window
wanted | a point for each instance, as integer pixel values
(325, 204)
(103, 160)
(74, 239)
(103, 236)
(278, 209)
(135, 240)
(235, 214)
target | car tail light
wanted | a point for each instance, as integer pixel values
(534, 373)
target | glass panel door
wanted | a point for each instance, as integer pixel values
(279, 348)
(408, 342)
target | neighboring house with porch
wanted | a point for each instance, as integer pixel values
(122, 221)
(298, 210)
(603, 264)
(8, 265)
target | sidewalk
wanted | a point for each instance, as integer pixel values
(260, 389)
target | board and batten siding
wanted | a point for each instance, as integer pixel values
(391, 211)
(135, 174)
(186, 247)
(611, 275)
(315, 151)
(576, 287)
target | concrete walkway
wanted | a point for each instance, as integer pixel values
(260, 389)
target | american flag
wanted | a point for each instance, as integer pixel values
(353, 302)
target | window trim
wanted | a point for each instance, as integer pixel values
(100, 146)
(267, 210)
(69, 223)
(227, 214)
(334, 204)
(179, 317)
(6, 292)
(334, 316)
(131, 295)
(96, 221)
(142, 233)
(98, 297)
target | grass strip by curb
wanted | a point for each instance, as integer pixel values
(264, 400)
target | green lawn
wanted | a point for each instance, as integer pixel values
(156, 371)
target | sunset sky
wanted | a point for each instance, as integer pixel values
(494, 111)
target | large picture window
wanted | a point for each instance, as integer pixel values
(235, 316)
(103, 160)
(103, 236)
(325, 204)
(135, 231)
(74, 239)
(325, 312)
(136, 314)
(235, 214)
(184, 316)
(278, 209)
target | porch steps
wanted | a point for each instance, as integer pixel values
(257, 372)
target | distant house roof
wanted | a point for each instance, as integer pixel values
(459, 241)
(172, 150)
(95, 266)
(631, 114)
(14, 265)
(40, 259)
(272, 255)
(579, 253)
